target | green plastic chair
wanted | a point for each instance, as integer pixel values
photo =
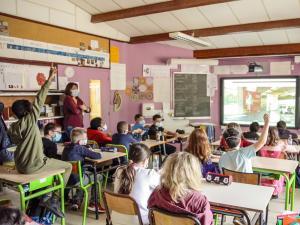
(77, 169)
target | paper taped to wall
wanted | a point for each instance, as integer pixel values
(280, 68)
(118, 76)
(156, 71)
(162, 89)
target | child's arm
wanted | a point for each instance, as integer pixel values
(42, 94)
(264, 134)
(90, 154)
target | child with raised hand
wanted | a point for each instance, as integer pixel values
(136, 180)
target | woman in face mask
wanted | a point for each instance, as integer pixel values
(73, 108)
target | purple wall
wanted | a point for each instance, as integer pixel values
(134, 56)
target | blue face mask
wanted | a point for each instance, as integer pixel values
(57, 137)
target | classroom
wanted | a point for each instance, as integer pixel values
(150, 112)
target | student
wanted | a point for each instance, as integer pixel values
(10, 216)
(237, 158)
(199, 147)
(96, 132)
(180, 188)
(5, 155)
(29, 155)
(123, 137)
(140, 127)
(157, 127)
(52, 135)
(252, 133)
(77, 151)
(136, 180)
(244, 143)
(283, 132)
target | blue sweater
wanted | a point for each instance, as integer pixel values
(123, 139)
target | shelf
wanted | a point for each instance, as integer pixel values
(41, 118)
(9, 94)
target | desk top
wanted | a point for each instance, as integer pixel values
(280, 165)
(12, 176)
(238, 195)
(107, 156)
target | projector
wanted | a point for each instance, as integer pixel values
(255, 68)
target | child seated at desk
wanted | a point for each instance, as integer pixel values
(283, 132)
(52, 135)
(123, 137)
(96, 132)
(77, 151)
(199, 146)
(252, 133)
(140, 127)
(237, 158)
(180, 188)
(136, 180)
(155, 129)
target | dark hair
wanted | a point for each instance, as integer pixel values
(156, 116)
(137, 116)
(69, 87)
(49, 127)
(10, 216)
(21, 108)
(138, 153)
(122, 126)
(281, 124)
(254, 127)
(273, 136)
(1, 107)
(95, 123)
(232, 137)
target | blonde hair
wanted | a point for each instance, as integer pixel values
(76, 134)
(199, 145)
(180, 174)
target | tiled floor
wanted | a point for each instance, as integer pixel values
(74, 218)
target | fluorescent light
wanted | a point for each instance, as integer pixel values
(188, 39)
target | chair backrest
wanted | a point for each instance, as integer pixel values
(162, 217)
(120, 148)
(121, 204)
(246, 178)
(93, 144)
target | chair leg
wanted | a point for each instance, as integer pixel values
(105, 180)
(100, 190)
(85, 205)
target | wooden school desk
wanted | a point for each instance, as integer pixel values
(40, 183)
(286, 168)
(239, 196)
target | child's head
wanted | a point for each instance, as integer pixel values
(21, 108)
(157, 120)
(232, 137)
(53, 131)
(281, 124)
(199, 145)
(139, 156)
(122, 127)
(10, 216)
(181, 173)
(234, 125)
(72, 89)
(78, 136)
(273, 136)
(254, 127)
(138, 118)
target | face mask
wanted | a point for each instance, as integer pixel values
(57, 137)
(142, 122)
(75, 92)
(159, 124)
(83, 142)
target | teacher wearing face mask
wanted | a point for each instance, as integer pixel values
(73, 108)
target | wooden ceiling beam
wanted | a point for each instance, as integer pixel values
(152, 8)
(285, 49)
(213, 31)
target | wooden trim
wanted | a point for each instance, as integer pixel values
(285, 49)
(152, 8)
(249, 27)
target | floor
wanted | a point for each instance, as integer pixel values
(74, 218)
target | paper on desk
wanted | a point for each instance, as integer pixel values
(118, 76)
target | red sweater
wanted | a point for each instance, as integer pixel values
(72, 112)
(193, 203)
(98, 136)
(244, 143)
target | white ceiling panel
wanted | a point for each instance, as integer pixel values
(282, 9)
(223, 41)
(219, 14)
(124, 27)
(167, 22)
(85, 6)
(144, 25)
(247, 39)
(192, 18)
(103, 5)
(249, 11)
(293, 35)
(129, 4)
(273, 37)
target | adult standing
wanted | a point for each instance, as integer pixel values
(73, 108)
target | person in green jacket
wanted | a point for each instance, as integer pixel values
(29, 156)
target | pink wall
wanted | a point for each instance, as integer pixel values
(134, 56)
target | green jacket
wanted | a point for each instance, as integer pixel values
(29, 156)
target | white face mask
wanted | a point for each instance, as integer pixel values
(142, 122)
(159, 124)
(75, 92)
(104, 128)
(83, 142)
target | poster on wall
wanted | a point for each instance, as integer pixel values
(156, 70)
(118, 76)
(141, 88)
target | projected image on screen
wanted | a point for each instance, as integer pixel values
(246, 100)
